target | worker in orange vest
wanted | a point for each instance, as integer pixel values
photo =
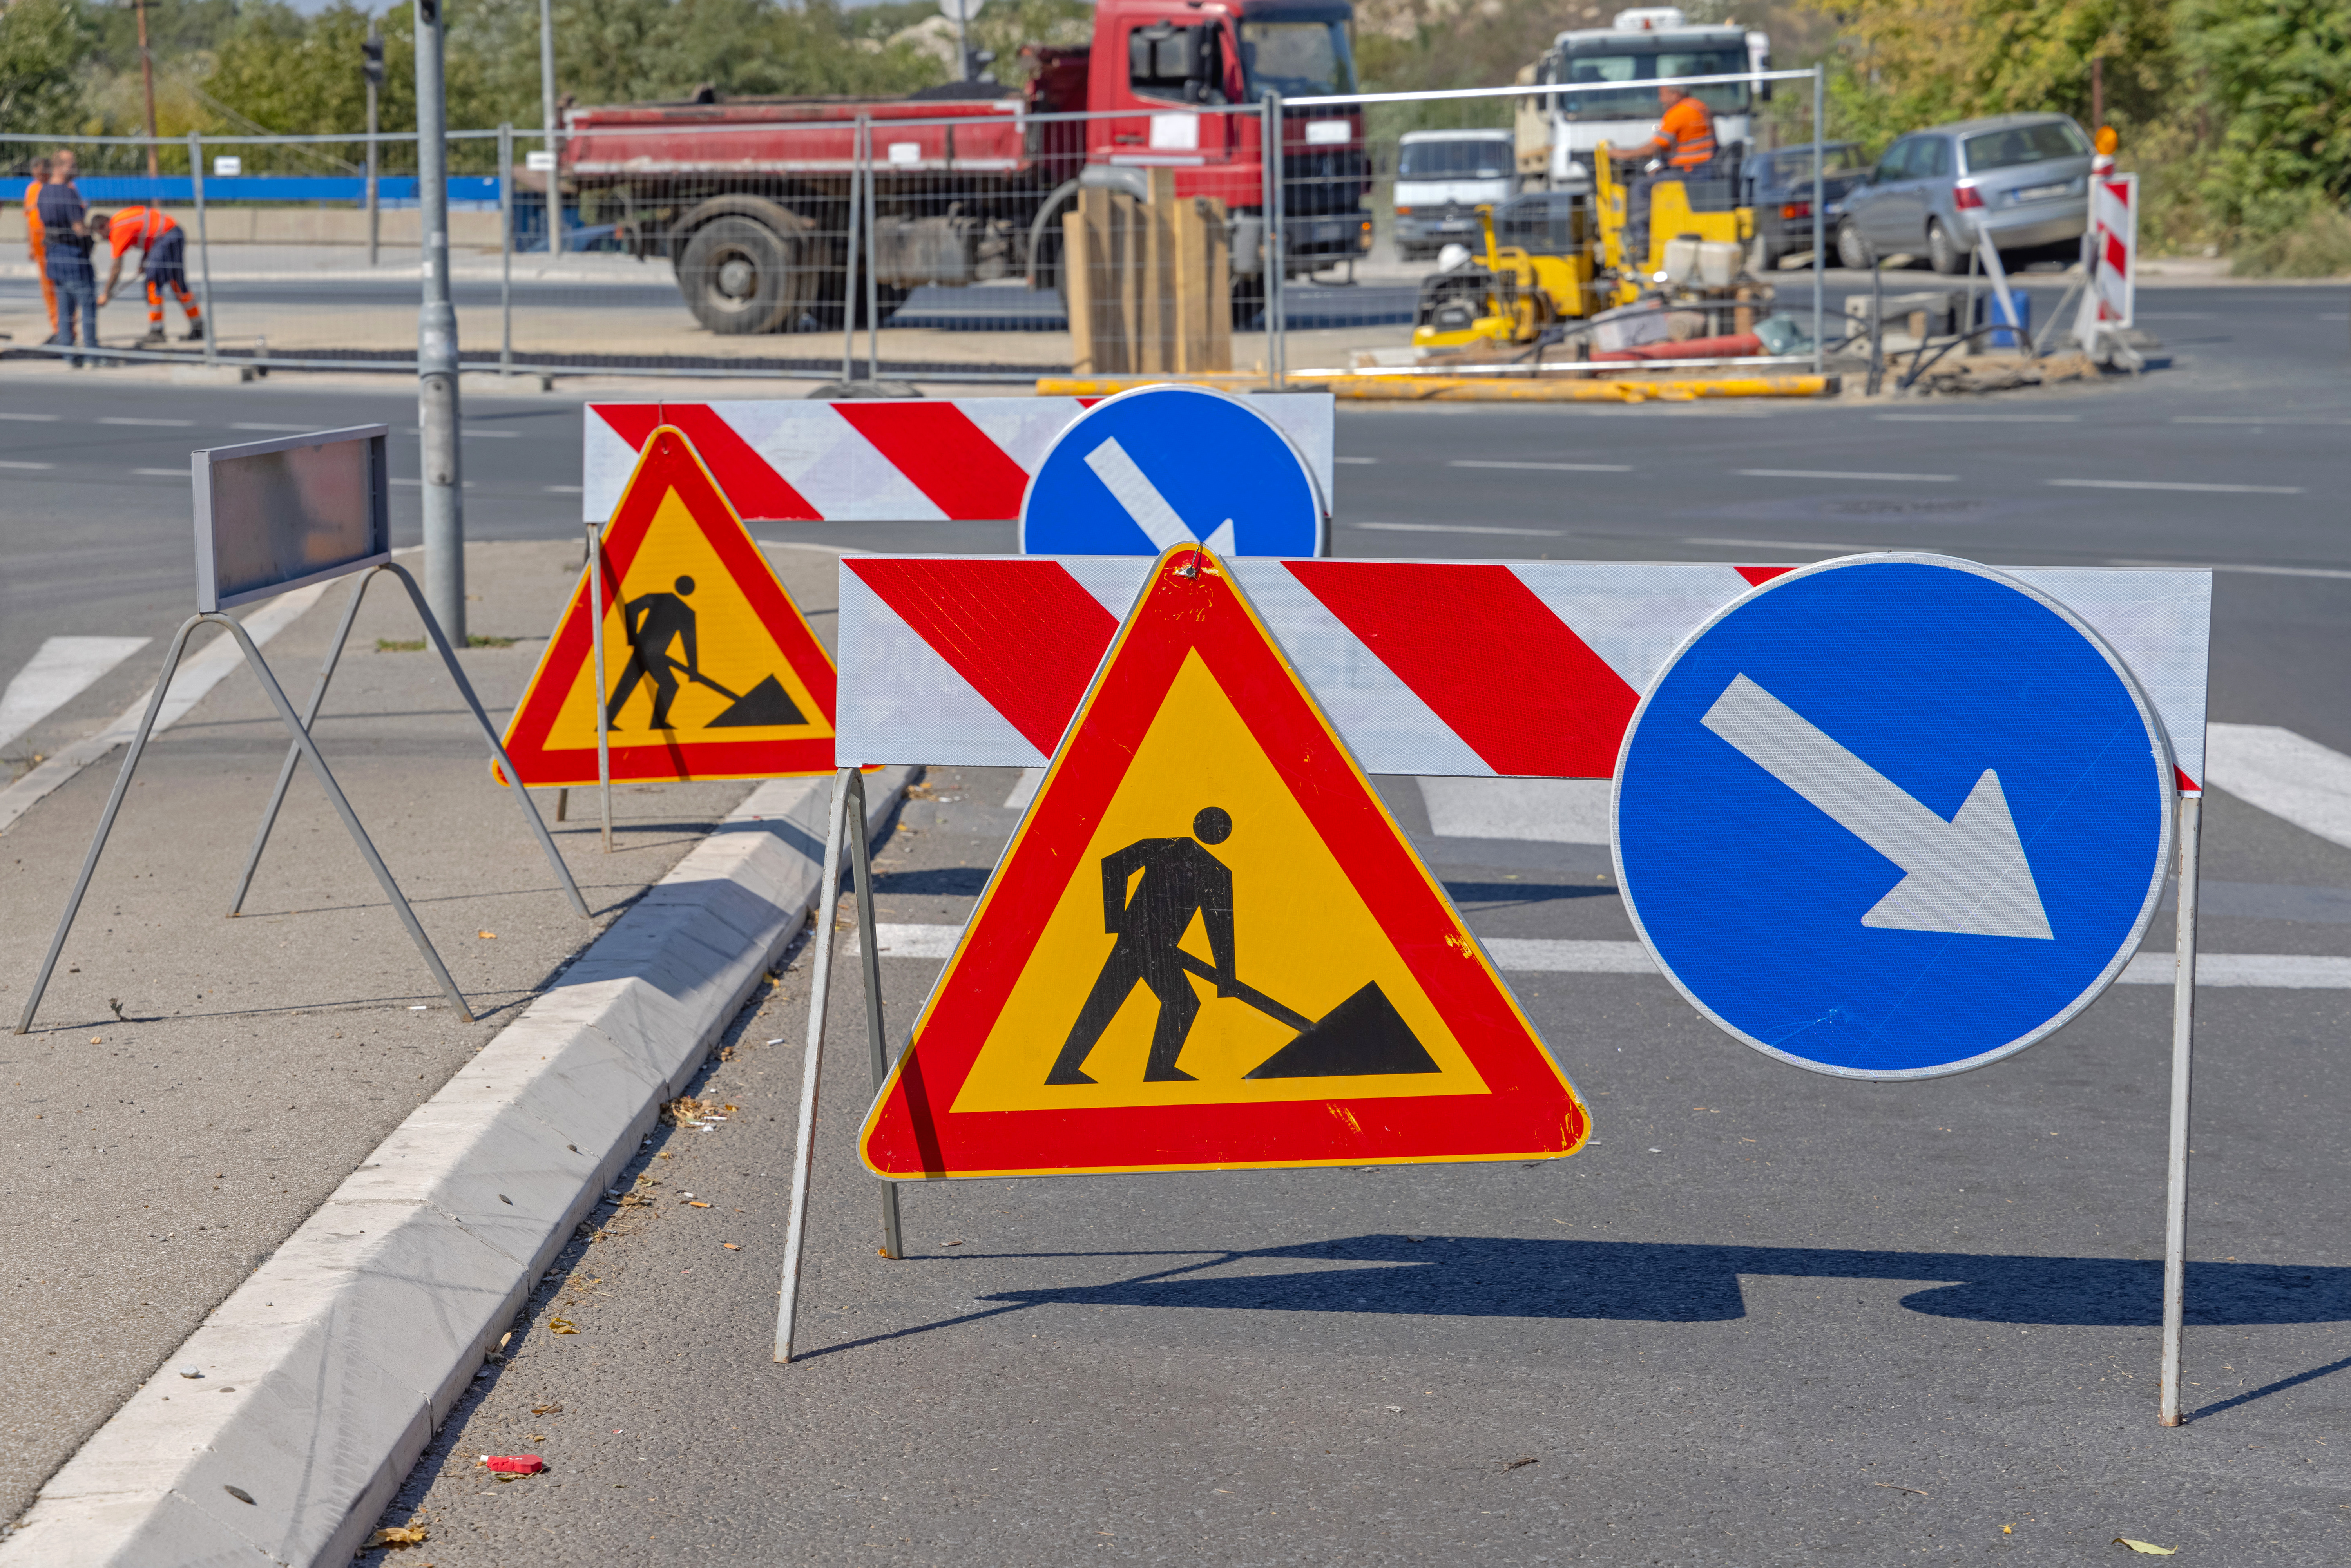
(36, 238)
(1684, 140)
(164, 255)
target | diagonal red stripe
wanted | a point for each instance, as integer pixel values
(984, 617)
(1497, 667)
(1758, 575)
(751, 482)
(946, 456)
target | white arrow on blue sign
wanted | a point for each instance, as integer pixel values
(1893, 816)
(1162, 465)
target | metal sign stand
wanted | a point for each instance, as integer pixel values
(464, 689)
(2183, 1034)
(847, 818)
(306, 748)
(604, 704)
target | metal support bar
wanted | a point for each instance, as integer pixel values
(603, 692)
(204, 253)
(860, 166)
(473, 703)
(2183, 1038)
(505, 250)
(820, 980)
(861, 861)
(872, 275)
(1820, 257)
(1277, 251)
(318, 767)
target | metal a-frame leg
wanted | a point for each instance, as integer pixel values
(464, 689)
(847, 819)
(318, 767)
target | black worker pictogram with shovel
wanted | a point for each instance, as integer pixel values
(1363, 1035)
(652, 623)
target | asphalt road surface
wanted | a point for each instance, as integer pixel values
(1763, 1318)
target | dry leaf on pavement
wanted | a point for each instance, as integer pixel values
(2148, 1547)
(398, 1535)
(730, 1246)
(560, 1325)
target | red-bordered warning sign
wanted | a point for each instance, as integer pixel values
(710, 670)
(1210, 946)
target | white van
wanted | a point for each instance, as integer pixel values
(1442, 178)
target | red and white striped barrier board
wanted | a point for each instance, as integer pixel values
(1464, 668)
(2110, 299)
(893, 461)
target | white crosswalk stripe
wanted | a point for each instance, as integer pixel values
(62, 669)
(2287, 775)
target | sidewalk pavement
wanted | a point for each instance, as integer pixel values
(195, 1086)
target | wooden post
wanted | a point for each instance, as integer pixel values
(1218, 278)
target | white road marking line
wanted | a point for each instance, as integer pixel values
(28, 464)
(469, 432)
(2287, 775)
(560, 489)
(1459, 529)
(156, 423)
(1131, 488)
(1978, 418)
(58, 672)
(2253, 418)
(1024, 790)
(1547, 468)
(281, 429)
(198, 674)
(162, 473)
(1357, 460)
(1543, 811)
(1537, 955)
(2256, 570)
(34, 418)
(2175, 485)
(1838, 473)
(1786, 544)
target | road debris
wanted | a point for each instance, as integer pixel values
(2146, 1547)
(514, 1464)
(1521, 1462)
(397, 1536)
(246, 1496)
(1914, 1492)
(560, 1325)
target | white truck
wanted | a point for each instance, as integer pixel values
(1442, 178)
(1555, 133)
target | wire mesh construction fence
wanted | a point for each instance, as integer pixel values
(950, 238)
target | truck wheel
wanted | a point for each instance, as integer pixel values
(738, 276)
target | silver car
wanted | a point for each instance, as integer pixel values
(2023, 178)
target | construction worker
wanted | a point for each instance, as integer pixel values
(66, 242)
(32, 242)
(1684, 140)
(163, 260)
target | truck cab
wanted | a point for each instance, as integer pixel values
(1643, 47)
(1442, 178)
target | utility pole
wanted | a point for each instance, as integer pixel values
(2098, 92)
(547, 118)
(147, 75)
(371, 66)
(436, 342)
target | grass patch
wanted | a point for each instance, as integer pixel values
(2317, 246)
(416, 644)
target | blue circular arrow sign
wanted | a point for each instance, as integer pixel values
(1162, 465)
(1893, 816)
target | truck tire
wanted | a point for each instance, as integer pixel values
(741, 276)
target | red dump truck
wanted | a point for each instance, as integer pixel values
(749, 199)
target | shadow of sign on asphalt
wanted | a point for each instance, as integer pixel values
(1664, 1282)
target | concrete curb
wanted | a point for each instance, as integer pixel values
(325, 1373)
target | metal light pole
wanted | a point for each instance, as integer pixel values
(436, 342)
(372, 67)
(547, 118)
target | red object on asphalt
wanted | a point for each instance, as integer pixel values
(515, 1464)
(1724, 347)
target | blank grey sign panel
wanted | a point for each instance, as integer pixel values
(275, 515)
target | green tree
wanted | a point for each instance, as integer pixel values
(43, 45)
(2275, 79)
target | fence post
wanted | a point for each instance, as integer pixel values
(1276, 251)
(858, 171)
(1820, 260)
(872, 274)
(203, 252)
(505, 250)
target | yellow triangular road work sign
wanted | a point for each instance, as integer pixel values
(1209, 947)
(710, 668)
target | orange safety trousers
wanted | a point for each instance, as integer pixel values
(155, 304)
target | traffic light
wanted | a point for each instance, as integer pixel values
(372, 58)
